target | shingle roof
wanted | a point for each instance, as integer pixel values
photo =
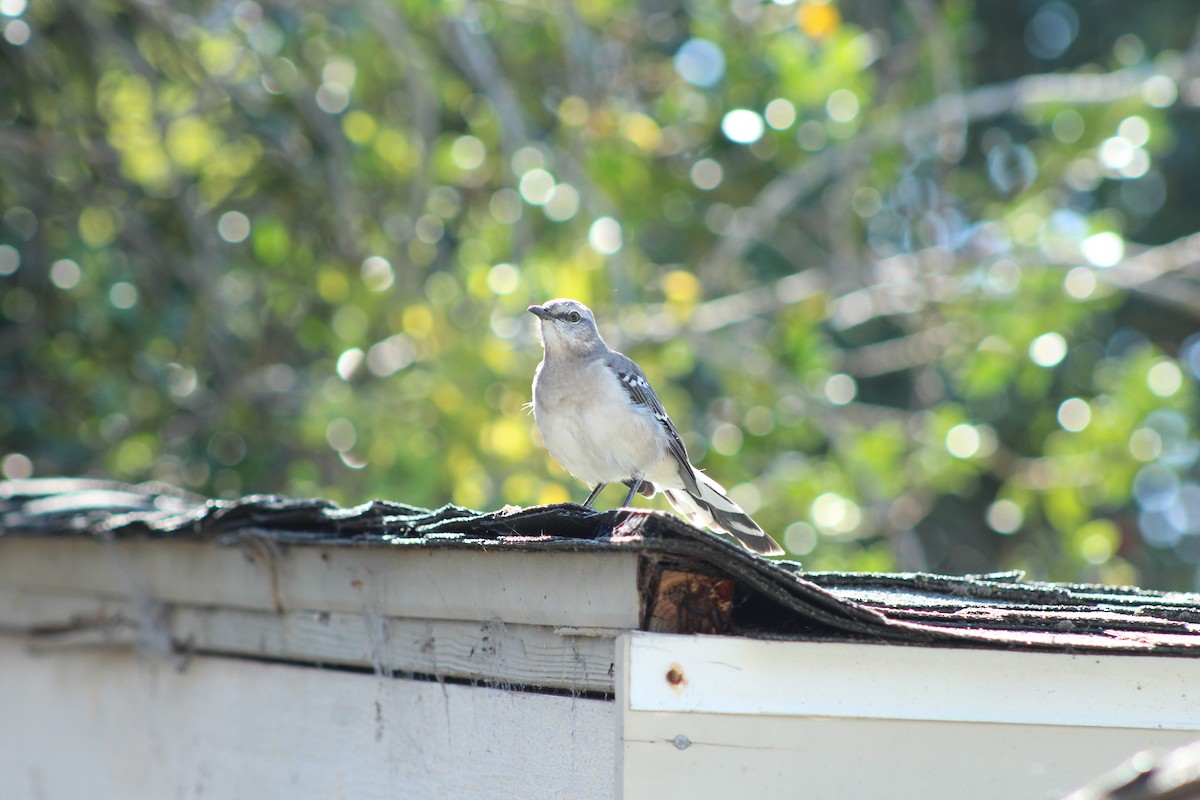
(774, 599)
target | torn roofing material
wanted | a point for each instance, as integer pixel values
(775, 599)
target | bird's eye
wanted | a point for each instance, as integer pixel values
(574, 317)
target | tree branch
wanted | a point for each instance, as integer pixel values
(981, 103)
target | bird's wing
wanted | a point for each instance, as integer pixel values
(642, 394)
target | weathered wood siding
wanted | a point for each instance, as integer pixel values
(107, 724)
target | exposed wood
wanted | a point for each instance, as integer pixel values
(540, 588)
(490, 651)
(727, 675)
(689, 602)
(111, 725)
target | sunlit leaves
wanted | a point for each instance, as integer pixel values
(276, 250)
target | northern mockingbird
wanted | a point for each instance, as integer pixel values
(601, 420)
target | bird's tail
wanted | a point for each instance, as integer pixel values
(712, 508)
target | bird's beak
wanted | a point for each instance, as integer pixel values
(540, 312)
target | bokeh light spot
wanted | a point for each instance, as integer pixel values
(1067, 126)
(1051, 30)
(574, 111)
(1048, 349)
(1155, 487)
(800, 538)
(1164, 378)
(10, 259)
(742, 126)
(842, 105)
(359, 127)
(65, 273)
(1129, 49)
(468, 153)
(641, 130)
(349, 362)
(233, 227)
(835, 514)
(1104, 249)
(700, 62)
(780, 114)
(390, 355)
(1012, 168)
(503, 279)
(332, 97)
(962, 441)
(840, 389)
(1074, 414)
(527, 158)
(1115, 152)
(16, 467)
(681, 286)
(17, 32)
(1080, 283)
(747, 496)
(605, 236)
(377, 273)
(123, 295)
(1098, 541)
(536, 186)
(759, 420)
(1134, 130)
(1005, 516)
(707, 174)
(1159, 91)
(563, 203)
(818, 19)
(727, 439)
(1145, 444)
(341, 434)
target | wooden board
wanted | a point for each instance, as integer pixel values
(730, 675)
(730, 756)
(490, 651)
(108, 724)
(542, 588)
(711, 716)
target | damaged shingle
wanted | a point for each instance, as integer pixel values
(774, 599)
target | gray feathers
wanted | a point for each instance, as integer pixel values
(600, 418)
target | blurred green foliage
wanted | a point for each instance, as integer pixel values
(917, 279)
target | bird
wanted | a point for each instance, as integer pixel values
(601, 420)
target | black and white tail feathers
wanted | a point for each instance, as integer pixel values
(712, 508)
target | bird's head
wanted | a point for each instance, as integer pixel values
(567, 326)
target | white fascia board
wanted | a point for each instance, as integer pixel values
(725, 675)
(589, 590)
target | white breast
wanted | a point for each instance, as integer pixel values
(590, 427)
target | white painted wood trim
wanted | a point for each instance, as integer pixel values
(543, 588)
(732, 756)
(724, 675)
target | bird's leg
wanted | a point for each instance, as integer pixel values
(634, 485)
(591, 497)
